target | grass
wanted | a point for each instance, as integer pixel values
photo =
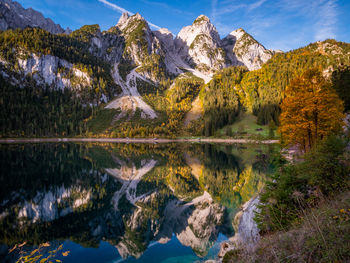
(101, 121)
(246, 127)
(322, 236)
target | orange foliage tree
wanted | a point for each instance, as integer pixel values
(311, 111)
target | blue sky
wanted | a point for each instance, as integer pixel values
(277, 24)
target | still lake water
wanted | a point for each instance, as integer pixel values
(126, 202)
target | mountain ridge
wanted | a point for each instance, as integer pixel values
(151, 81)
(13, 15)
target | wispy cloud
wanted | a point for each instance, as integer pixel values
(123, 10)
(293, 21)
(327, 21)
(322, 15)
(228, 7)
(168, 7)
(214, 3)
(256, 5)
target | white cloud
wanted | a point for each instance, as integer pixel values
(162, 5)
(228, 7)
(327, 21)
(115, 7)
(213, 9)
(122, 10)
(321, 15)
(256, 5)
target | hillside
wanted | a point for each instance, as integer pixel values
(130, 81)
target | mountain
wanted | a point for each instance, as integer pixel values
(137, 82)
(13, 15)
(199, 45)
(242, 49)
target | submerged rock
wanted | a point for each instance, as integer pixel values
(247, 232)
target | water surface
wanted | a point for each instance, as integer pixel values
(125, 202)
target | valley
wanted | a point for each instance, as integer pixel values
(121, 141)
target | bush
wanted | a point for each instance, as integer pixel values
(323, 172)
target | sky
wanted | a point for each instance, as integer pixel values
(277, 24)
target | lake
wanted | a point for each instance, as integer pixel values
(109, 202)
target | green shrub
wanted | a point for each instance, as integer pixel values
(298, 186)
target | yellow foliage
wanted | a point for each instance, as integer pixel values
(311, 111)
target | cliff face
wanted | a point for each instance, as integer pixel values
(52, 70)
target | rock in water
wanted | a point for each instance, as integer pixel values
(247, 232)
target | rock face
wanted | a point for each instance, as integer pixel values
(242, 49)
(49, 70)
(139, 41)
(247, 232)
(199, 45)
(13, 15)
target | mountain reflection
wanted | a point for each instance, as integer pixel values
(126, 194)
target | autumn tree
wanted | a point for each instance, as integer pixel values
(311, 111)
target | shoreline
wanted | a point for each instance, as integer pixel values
(137, 140)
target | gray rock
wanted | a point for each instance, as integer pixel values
(13, 15)
(242, 49)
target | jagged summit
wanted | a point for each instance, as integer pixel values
(199, 45)
(242, 49)
(122, 20)
(130, 22)
(201, 19)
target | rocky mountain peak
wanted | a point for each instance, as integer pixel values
(123, 19)
(201, 19)
(13, 15)
(238, 34)
(199, 45)
(129, 23)
(166, 37)
(242, 49)
(201, 25)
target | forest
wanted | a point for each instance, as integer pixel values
(231, 93)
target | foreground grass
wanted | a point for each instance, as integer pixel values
(304, 211)
(323, 235)
(101, 121)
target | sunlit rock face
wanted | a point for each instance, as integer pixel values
(242, 49)
(199, 46)
(47, 69)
